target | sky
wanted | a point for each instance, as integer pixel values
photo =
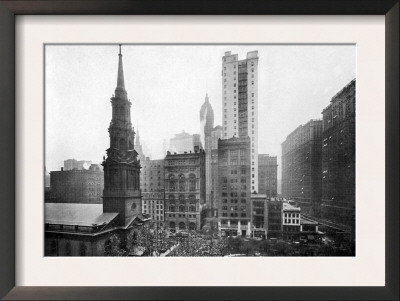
(167, 85)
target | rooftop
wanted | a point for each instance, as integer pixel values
(287, 206)
(77, 214)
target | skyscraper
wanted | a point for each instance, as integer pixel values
(121, 167)
(338, 157)
(139, 148)
(267, 175)
(240, 103)
(206, 128)
(301, 166)
(234, 214)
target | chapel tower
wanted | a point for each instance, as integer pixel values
(121, 167)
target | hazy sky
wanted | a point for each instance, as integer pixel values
(167, 86)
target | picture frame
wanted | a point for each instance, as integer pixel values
(8, 10)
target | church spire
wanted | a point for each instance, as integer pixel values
(137, 137)
(120, 81)
(206, 96)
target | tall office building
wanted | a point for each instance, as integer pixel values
(240, 103)
(338, 157)
(206, 128)
(301, 166)
(234, 214)
(267, 175)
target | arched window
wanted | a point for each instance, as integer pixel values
(172, 225)
(192, 208)
(181, 199)
(181, 208)
(192, 182)
(68, 249)
(172, 183)
(181, 179)
(107, 248)
(192, 226)
(192, 199)
(182, 226)
(82, 249)
(172, 208)
(171, 199)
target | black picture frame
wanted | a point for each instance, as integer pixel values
(8, 10)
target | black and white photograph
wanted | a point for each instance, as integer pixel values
(200, 150)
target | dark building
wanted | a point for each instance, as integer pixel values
(76, 186)
(234, 176)
(267, 175)
(185, 191)
(301, 166)
(86, 229)
(259, 215)
(338, 157)
(274, 226)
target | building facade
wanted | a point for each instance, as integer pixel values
(152, 175)
(291, 217)
(153, 205)
(216, 134)
(206, 128)
(268, 175)
(76, 186)
(185, 191)
(71, 164)
(240, 103)
(274, 226)
(338, 157)
(184, 142)
(259, 215)
(234, 177)
(301, 166)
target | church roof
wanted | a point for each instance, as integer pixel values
(77, 214)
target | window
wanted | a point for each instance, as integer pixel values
(192, 182)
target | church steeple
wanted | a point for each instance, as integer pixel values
(120, 80)
(137, 138)
(121, 167)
